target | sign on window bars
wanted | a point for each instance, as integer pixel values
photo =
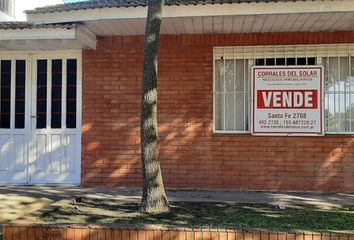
(288, 100)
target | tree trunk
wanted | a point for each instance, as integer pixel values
(154, 198)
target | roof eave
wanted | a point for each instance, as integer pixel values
(195, 11)
(36, 38)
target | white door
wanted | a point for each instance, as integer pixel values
(51, 139)
(14, 119)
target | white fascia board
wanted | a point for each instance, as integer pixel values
(196, 11)
(36, 34)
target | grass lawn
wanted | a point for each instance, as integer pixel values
(185, 214)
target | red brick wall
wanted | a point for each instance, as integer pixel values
(192, 156)
(77, 232)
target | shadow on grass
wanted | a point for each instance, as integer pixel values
(222, 215)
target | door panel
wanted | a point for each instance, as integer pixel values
(13, 159)
(14, 120)
(55, 156)
(57, 149)
(20, 155)
(40, 157)
(5, 153)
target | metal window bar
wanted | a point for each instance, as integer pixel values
(234, 88)
(244, 92)
(344, 95)
(224, 94)
(265, 56)
(345, 100)
(334, 98)
(295, 56)
(214, 92)
(286, 59)
(251, 64)
(250, 101)
(327, 94)
(350, 92)
(328, 77)
(339, 94)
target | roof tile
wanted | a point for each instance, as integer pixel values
(26, 25)
(92, 4)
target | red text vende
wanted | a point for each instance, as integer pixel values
(287, 99)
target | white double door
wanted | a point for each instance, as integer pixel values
(40, 118)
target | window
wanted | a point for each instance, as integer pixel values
(7, 7)
(232, 82)
(42, 93)
(56, 95)
(20, 94)
(12, 94)
(339, 94)
(231, 95)
(5, 100)
(57, 65)
(71, 93)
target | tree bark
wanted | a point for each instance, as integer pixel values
(154, 198)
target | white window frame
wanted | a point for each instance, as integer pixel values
(251, 53)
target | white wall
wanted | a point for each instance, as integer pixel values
(22, 5)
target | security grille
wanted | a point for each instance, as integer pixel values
(232, 82)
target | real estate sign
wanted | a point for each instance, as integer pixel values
(287, 100)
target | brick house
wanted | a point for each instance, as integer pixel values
(70, 80)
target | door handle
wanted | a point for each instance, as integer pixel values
(34, 116)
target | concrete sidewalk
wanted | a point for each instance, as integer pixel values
(17, 201)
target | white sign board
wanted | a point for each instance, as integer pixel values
(287, 100)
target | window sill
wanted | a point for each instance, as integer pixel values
(332, 134)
